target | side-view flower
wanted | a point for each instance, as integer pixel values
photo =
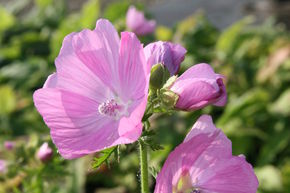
(44, 153)
(136, 21)
(198, 87)
(204, 163)
(166, 53)
(97, 97)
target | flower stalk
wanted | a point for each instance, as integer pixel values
(143, 167)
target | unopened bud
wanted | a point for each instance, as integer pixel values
(158, 77)
(169, 98)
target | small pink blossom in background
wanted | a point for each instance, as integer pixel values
(98, 95)
(198, 87)
(3, 166)
(9, 145)
(44, 153)
(137, 22)
(204, 163)
(167, 53)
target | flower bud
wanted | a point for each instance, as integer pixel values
(158, 76)
(44, 153)
(169, 98)
(9, 145)
(169, 54)
(198, 87)
(136, 21)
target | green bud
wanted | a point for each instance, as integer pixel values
(158, 77)
(168, 98)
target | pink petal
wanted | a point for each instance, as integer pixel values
(232, 175)
(67, 48)
(132, 68)
(74, 76)
(99, 51)
(76, 126)
(136, 21)
(180, 160)
(206, 156)
(199, 71)
(167, 53)
(223, 98)
(148, 27)
(194, 94)
(51, 81)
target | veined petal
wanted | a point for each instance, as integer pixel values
(76, 126)
(51, 81)
(199, 71)
(194, 94)
(99, 51)
(132, 68)
(205, 160)
(74, 76)
(232, 175)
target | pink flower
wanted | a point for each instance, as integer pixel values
(97, 97)
(44, 153)
(137, 22)
(203, 163)
(167, 53)
(9, 145)
(198, 87)
(3, 166)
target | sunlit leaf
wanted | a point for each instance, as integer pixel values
(103, 157)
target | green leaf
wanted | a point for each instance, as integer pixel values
(89, 14)
(105, 155)
(7, 19)
(227, 38)
(269, 178)
(153, 171)
(7, 100)
(282, 105)
(116, 10)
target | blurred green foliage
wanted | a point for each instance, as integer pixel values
(255, 60)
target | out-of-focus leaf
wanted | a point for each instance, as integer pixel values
(163, 33)
(104, 156)
(7, 100)
(237, 105)
(286, 175)
(227, 38)
(274, 145)
(282, 104)
(269, 178)
(7, 19)
(116, 10)
(89, 14)
(43, 3)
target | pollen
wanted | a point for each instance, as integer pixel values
(110, 108)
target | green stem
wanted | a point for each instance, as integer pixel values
(143, 167)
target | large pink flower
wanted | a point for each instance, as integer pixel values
(167, 53)
(203, 163)
(97, 97)
(198, 87)
(136, 21)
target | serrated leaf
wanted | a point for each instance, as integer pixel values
(153, 171)
(105, 155)
(152, 143)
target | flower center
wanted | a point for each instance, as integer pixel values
(184, 185)
(110, 108)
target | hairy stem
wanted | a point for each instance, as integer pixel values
(143, 167)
